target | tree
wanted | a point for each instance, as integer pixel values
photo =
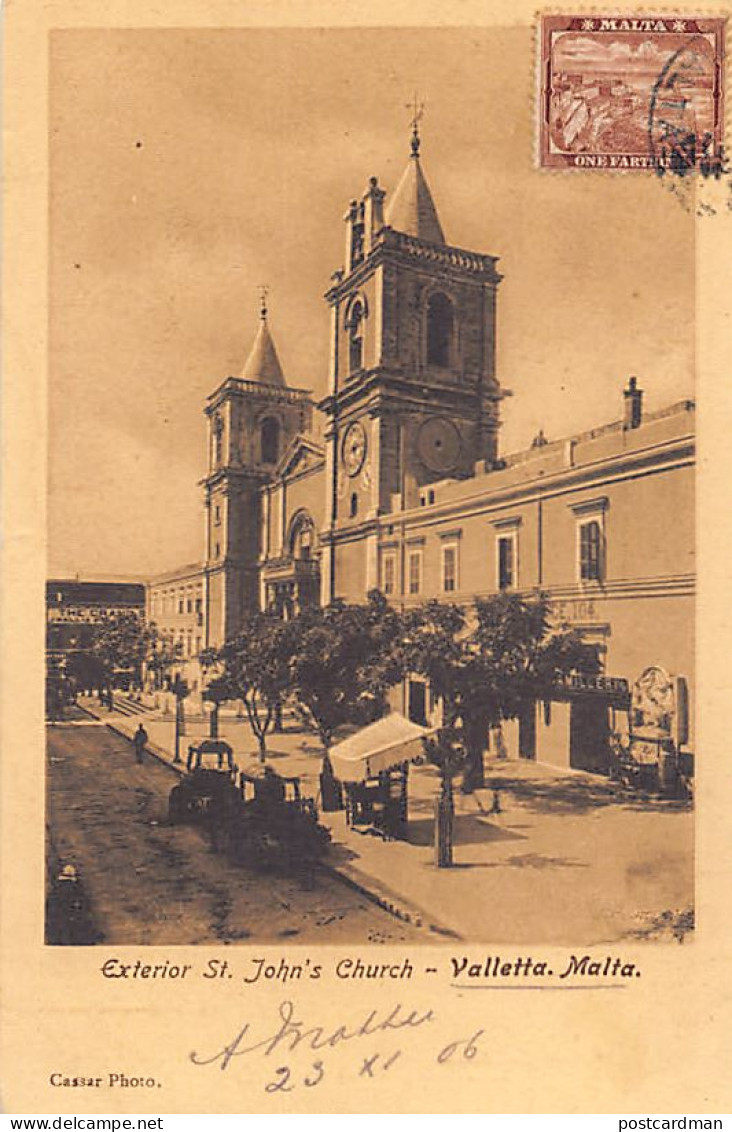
(124, 641)
(344, 658)
(486, 666)
(256, 670)
(163, 654)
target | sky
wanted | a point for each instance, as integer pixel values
(190, 166)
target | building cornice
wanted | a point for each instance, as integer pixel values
(183, 573)
(384, 388)
(394, 247)
(239, 387)
(648, 461)
(229, 472)
(621, 589)
(349, 534)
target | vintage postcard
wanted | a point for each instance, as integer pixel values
(365, 568)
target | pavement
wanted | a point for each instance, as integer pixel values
(571, 859)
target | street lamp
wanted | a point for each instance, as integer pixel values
(180, 690)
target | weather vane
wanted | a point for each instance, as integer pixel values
(263, 292)
(417, 108)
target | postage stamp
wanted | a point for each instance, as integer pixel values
(618, 92)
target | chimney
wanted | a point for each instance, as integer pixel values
(633, 403)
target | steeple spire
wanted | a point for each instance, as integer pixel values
(263, 364)
(412, 209)
(417, 109)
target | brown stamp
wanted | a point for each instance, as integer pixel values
(620, 92)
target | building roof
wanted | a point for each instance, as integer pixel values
(263, 365)
(411, 209)
(94, 592)
(191, 570)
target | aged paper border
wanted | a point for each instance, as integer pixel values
(663, 1045)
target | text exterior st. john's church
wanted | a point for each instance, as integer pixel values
(407, 491)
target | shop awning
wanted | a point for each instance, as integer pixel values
(380, 746)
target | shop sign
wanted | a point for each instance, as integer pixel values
(609, 685)
(579, 610)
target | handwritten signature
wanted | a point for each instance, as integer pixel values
(292, 1034)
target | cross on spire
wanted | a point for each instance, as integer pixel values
(263, 292)
(417, 109)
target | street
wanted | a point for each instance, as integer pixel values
(147, 882)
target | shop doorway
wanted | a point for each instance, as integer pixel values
(527, 732)
(417, 702)
(589, 734)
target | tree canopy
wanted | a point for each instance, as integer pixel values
(345, 660)
(124, 642)
(255, 668)
(490, 662)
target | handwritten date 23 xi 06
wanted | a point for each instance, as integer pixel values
(292, 1036)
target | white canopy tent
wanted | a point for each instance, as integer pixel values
(381, 746)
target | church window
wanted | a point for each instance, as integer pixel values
(302, 537)
(440, 330)
(449, 568)
(217, 514)
(355, 338)
(506, 561)
(354, 505)
(270, 440)
(591, 543)
(415, 571)
(388, 573)
(590, 551)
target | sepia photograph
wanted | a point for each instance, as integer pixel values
(370, 586)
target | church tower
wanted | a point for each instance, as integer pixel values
(251, 421)
(413, 397)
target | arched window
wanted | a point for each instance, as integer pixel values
(302, 537)
(354, 505)
(355, 337)
(440, 330)
(270, 440)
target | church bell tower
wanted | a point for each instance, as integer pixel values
(251, 421)
(413, 397)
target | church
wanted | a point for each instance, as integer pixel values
(399, 483)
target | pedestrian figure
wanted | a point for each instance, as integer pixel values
(140, 739)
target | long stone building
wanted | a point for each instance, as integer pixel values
(403, 485)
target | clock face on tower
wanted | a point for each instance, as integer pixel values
(439, 444)
(353, 448)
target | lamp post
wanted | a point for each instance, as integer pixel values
(447, 753)
(180, 690)
(211, 706)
